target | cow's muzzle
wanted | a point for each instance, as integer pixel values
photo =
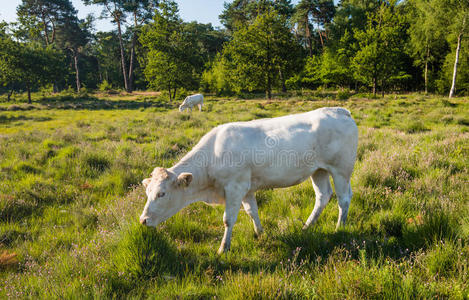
(143, 221)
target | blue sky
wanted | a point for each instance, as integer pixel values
(202, 11)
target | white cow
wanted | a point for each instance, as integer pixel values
(191, 101)
(234, 160)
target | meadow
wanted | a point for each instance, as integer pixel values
(70, 197)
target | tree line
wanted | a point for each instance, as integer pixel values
(264, 46)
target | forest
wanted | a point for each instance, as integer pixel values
(264, 46)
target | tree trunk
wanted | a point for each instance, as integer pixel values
(282, 80)
(132, 56)
(9, 94)
(174, 94)
(53, 32)
(131, 66)
(308, 37)
(320, 36)
(29, 94)
(374, 87)
(426, 70)
(268, 92)
(455, 70)
(100, 74)
(77, 72)
(170, 93)
(46, 31)
(124, 69)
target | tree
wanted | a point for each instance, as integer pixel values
(456, 14)
(319, 12)
(31, 66)
(105, 47)
(40, 18)
(169, 51)
(381, 46)
(141, 12)
(74, 35)
(262, 54)
(240, 13)
(427, 39)
(116, 10)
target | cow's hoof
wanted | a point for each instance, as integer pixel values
(223, 248)
(258, 233)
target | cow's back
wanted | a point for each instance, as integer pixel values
(286, 150)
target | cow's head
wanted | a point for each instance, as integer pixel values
(165, 195)
(181, 108)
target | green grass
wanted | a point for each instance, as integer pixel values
(70, 197)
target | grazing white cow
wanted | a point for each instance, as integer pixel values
(191, 101)
(234, 160)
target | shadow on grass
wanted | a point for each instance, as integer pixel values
(152, 254)
(93, 103)
(11, 119)
(315, 245)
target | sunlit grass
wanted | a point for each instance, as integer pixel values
(70, 196)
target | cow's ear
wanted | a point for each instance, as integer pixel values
(184, 179)
(146, 182)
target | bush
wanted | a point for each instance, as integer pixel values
(105, 86)
(343, 94)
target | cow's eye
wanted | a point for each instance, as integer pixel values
(160, 194)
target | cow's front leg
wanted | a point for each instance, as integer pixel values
(250, 206)
(234, 195)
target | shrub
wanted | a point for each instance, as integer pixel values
(343, 94)
(105, 86)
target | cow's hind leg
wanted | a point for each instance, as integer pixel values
(323, 190)
(250, 206)
(200, 106)
(343, 190)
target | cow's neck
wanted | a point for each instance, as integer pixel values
(200, 181)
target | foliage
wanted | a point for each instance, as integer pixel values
(27, 65)
(356, 44)
(381, 46)
(168, 49)
(240, 13)
(217, 78)
(262, 55)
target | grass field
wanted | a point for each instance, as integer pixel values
(70, 197)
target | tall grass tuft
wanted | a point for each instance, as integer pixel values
(145, 253)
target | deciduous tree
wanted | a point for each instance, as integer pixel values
(381, 45)
(263, 54)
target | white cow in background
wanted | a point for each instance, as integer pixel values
(232, 161)
(191, 101)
